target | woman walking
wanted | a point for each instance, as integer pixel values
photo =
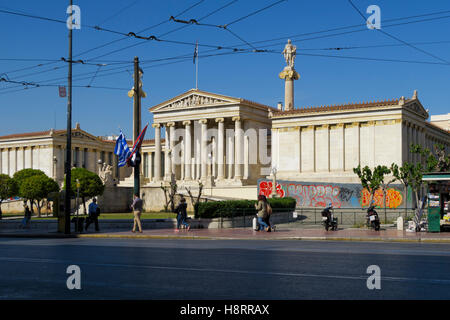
(261, 207)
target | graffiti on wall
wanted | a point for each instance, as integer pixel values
(394, 198)
(310, 194)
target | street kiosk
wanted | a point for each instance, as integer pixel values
(438, 200)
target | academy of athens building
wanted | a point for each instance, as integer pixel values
(232, 144)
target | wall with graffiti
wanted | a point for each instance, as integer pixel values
(310, 194)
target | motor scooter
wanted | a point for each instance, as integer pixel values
(328, 219)
(373, 221)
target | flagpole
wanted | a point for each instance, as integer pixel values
(196, 68)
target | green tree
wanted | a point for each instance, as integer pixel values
(372, 180)
(36, 188)
(403, 175)
(21, 175)
(90, 184)
(8, 189)
(437, 162)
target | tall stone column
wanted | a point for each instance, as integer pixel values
(187, 150)
(167, 162)
(238, 147)
(289, 75)
(157, 127)
(204, 143)
(173, 163)
(220, 148)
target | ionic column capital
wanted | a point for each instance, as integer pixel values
(237, 118)
(170, 124)
(156, 125)
(220, 119)
(203, 121)
(186, 122)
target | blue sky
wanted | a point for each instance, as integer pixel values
(253, 76)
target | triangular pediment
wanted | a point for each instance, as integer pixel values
(78, 133)
(415, 106)
(194, 99)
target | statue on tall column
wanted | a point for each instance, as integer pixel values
(289, 52)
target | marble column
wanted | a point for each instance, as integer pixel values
(204, 144)
(157, 127)
(220, 148)
(187, 150)
(246, 157)
(150, 166)
(167, 155)
(238, 147)
(230, 156)
(173, 163)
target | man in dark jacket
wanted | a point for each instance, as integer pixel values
(94, 212)
(182, 214)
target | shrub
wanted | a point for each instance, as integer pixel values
(236, 208)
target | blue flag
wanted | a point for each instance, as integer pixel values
(122, 150)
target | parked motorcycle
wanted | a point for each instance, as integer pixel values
(328, 219)
(373, 221)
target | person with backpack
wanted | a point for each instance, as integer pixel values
(180, 210)
(268, 215)
(94, 213)
(261, 207)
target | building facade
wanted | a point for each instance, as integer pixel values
(46, 151)
(325, 143)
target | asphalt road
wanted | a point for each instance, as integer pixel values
(213, 269)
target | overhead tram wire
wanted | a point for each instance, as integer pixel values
(119, 12)
(397, 19)
(168, 32)
(61, 21)
(143, 30)
(334, 29)
(398, 39)
(36, 85)
(293, 37)
(226, 26)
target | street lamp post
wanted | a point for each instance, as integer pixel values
(274, 183)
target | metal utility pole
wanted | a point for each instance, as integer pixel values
(68, 163)
(137, 123)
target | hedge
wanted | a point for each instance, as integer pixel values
(235, 208)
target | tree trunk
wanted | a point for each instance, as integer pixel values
(39, 208)
(31, 206)
(1, 213)
(84, 204)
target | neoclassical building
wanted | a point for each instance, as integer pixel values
(46, 150)
(232, 143)
(325, 143)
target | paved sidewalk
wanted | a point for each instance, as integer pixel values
(350, 234)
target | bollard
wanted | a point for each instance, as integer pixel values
(400, 223)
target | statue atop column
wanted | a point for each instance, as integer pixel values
(289, 75)
(290, 52)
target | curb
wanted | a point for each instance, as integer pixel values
(193, 237)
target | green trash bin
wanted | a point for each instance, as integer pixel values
(434, 220)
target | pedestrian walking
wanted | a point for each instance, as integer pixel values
(93, 212)
(261, 207)
(181, 211)
(26, 221)
(137, 211)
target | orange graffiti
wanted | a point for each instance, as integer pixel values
(394, 198)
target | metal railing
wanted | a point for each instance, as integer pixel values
(243, 217)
